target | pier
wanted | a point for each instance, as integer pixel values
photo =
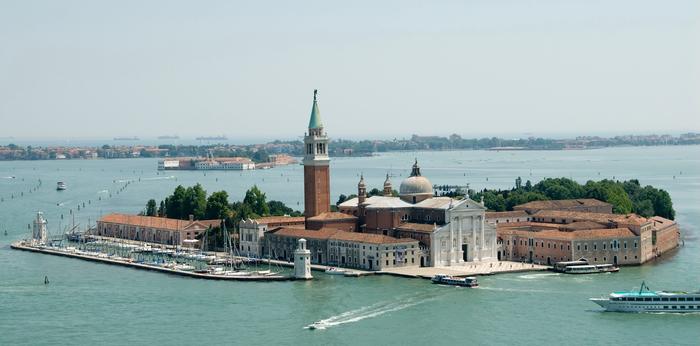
(25, 246)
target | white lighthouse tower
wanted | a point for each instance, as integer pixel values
(39, 233)
(302, 261)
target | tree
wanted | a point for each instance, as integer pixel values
(256, 200)
(217, 206)
(195, 202)
(161, 209)
(151, 207)
(174, 205)
(375, 192)
(342, 198)
(518, 183)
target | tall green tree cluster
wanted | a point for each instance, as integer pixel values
(625, 196)
(193, 200)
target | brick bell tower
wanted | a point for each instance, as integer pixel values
(317, 181)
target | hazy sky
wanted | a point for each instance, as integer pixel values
(247, 69)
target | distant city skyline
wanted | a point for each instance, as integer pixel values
(86, 70)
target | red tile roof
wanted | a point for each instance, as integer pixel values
(416, 227)
(280, 219)
(155, 222)
(604, 218)
(502, 214)
(331, 234)
(607, 233)
(562, 204)
(332, 215)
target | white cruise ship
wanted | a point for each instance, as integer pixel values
(646, 300)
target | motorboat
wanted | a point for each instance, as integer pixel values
(336, 271)
(455, 281)
(60, 186)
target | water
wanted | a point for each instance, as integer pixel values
(93, 303)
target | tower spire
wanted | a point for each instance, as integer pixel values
(315, 119)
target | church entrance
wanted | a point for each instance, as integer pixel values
(465, 252)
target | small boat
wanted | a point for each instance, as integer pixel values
(591, 269)
(645, 300)
(335, 271)
(60, 186)
(455, 281)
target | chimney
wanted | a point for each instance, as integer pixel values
(191, 217)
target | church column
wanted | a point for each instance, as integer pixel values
(474, 247)
(450, 245)
(460, 252)
(483, 240)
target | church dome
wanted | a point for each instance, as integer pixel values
(416, 187)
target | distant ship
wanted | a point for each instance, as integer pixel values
(215, 138)
(646, 300)
(169, 137)
(126, 138)
(60, 186)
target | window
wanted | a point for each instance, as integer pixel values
(387, 262)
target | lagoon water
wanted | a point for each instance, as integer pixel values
(92, 303)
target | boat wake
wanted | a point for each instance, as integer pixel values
(369, 311)
(537, 276)
(159, 178)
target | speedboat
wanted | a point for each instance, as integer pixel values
(645, 300)
(335, 271)
(455, 281)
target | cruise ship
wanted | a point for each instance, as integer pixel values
(645, 300)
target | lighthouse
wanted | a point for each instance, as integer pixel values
(302, 261)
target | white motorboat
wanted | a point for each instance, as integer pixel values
(335, 271)
(455, 281)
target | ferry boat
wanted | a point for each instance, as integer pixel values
(454, 281)
(646, 300)
(583, 267)
(60, 186)
(591, 269)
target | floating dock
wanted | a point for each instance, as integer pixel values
(122, 262)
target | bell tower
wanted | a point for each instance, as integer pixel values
(317, 189)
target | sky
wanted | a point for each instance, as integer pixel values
(384, 69)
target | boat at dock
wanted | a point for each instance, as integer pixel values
(645, 300)
(335, 271)
(582, 266)
(443, 279)
(591, 269)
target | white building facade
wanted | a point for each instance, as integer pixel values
(466, 237)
